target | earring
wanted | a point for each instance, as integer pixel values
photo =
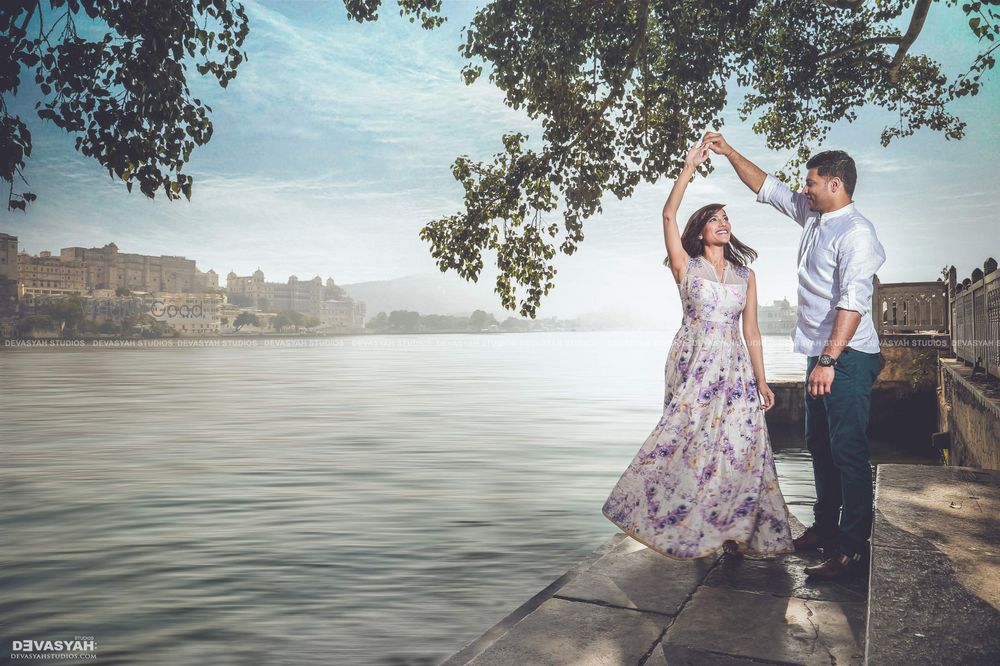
(699, 237)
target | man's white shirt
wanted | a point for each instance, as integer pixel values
(839, 254)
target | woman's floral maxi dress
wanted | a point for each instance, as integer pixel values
(706, 473)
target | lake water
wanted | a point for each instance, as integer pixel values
(359, 500)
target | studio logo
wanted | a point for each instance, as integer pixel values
(78, 647)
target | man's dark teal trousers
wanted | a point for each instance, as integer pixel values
(835, 436)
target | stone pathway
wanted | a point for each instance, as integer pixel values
(935, 578)
(626, 604)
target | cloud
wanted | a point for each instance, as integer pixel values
(881, 163)
(386, 83)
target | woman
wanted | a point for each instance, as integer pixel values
(705, 476)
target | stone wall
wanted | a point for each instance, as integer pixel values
(903, 407)
(969, 410)
(912, 366)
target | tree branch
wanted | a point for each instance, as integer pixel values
(844, 4)
(916, 25)
(874, 41)
(972, 68)
(630, 60)
(904, 42)
(27, 19)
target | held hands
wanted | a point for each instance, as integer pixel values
(766, 397)
(696, 155)
(717, 143)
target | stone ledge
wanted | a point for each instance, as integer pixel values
(986, 389)
(617, 543)
(761, 627)
(626, 604)
(562, 631)
(934, 587)
(969, 409)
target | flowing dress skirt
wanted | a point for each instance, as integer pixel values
(705, 474)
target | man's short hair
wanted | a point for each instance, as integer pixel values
(835, 163)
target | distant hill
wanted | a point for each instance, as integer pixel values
(447, 294)
(427, 293)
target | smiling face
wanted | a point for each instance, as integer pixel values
(834, 187)
(717, 229)
(825, 193)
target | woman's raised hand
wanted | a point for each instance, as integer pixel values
(698, 153)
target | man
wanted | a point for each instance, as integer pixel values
(838, 256)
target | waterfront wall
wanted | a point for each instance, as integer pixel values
(903, 407)
(969, 411)
(968, 394)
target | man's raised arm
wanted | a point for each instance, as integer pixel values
(768, 188)
(751, 174)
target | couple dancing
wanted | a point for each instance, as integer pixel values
(705, 477)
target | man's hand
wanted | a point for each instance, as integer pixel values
(717, 143)
(820, 381)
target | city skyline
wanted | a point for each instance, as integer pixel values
(215, 280)
(334, 145)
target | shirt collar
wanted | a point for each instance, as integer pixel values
(835, 213)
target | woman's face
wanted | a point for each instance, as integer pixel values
(716, 231)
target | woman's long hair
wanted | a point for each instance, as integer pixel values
(738, 253)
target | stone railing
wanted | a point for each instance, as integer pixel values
(975, 317)
(910, 307)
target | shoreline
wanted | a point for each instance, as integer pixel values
(120, 341)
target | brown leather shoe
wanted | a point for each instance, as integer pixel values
(838, 566)
(811, 540)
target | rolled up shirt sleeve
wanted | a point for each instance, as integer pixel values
(859, 256)
(793, 204)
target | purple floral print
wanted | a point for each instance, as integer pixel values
(705, 474)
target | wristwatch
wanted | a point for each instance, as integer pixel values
(826, 360)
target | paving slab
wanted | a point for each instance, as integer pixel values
(920, 613)
(785, 576)
(682, 656)
(627, 604)
(576, 634)
(640, 579)
(929, 507)
(934, 592)
(786, 630)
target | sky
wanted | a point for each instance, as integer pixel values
(334, 144)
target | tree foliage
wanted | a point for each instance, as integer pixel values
(245, 319)
(124, 95)
(280, 321)
(622, 87)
